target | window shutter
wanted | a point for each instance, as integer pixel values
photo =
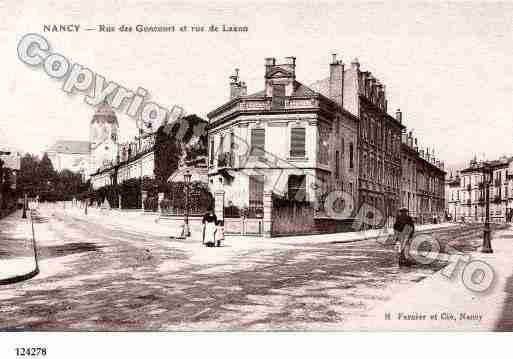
(337, 164)
(256, 190)
(257, 141)
(212, 152)
(297, 142)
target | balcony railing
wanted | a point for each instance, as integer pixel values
(225, 159)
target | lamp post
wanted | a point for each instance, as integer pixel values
(186, 232)
(24, 207)
(487, 178)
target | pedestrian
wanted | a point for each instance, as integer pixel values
(404, 229)
(209, 227)
(220, 232)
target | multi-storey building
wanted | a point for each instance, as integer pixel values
(423, 181)
(471, 206)
(379, 138)
(452, 197)
(135, 159)
(333, 134)
(288, 139)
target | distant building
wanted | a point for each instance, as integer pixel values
(471, 192)
(452, 197)
(71, 155)
(103, 135)
(423, 181)
(134, 159)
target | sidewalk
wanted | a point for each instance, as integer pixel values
(16, 253)
(456, 307)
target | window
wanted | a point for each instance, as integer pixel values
(278, 100)
(297, 142)
(256, 191)
(297, 187)
(221, 144)
(257, 141)
(324, 149)
(351, 159)
(337, 164)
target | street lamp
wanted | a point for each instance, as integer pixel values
(487, 179)
(186, 232)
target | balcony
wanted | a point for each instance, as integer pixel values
(225, 159)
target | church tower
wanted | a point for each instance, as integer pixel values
(103, 136)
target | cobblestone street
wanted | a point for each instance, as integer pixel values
(96, 276)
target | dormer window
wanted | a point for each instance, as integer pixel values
(278, 99)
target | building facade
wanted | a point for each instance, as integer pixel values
(71, 155)
(379, 136)
(287, 139)
(471, 192)
(135, 159)
(452, 197)
(423, 181)
(334, 134)
(103, 136)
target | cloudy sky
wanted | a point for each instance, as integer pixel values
(447, 66)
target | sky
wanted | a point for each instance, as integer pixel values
(447, 66)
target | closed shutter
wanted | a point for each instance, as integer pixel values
(256, 190)
(212, 152)
(297, 142)
(257, 141)
(337, 164)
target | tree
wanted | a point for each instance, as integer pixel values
(28, 181)
(183, 139)
(45, 171)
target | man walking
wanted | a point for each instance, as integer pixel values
(404, 229)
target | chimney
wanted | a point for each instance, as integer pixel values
(336, 81)
(282, 79)
(269, 63)
(399, 115)
(235, 85)
(355, 64)
(243, 89)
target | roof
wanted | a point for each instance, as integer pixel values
(70, 147)
(104, 113)
(476, 166)
(299, 90)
